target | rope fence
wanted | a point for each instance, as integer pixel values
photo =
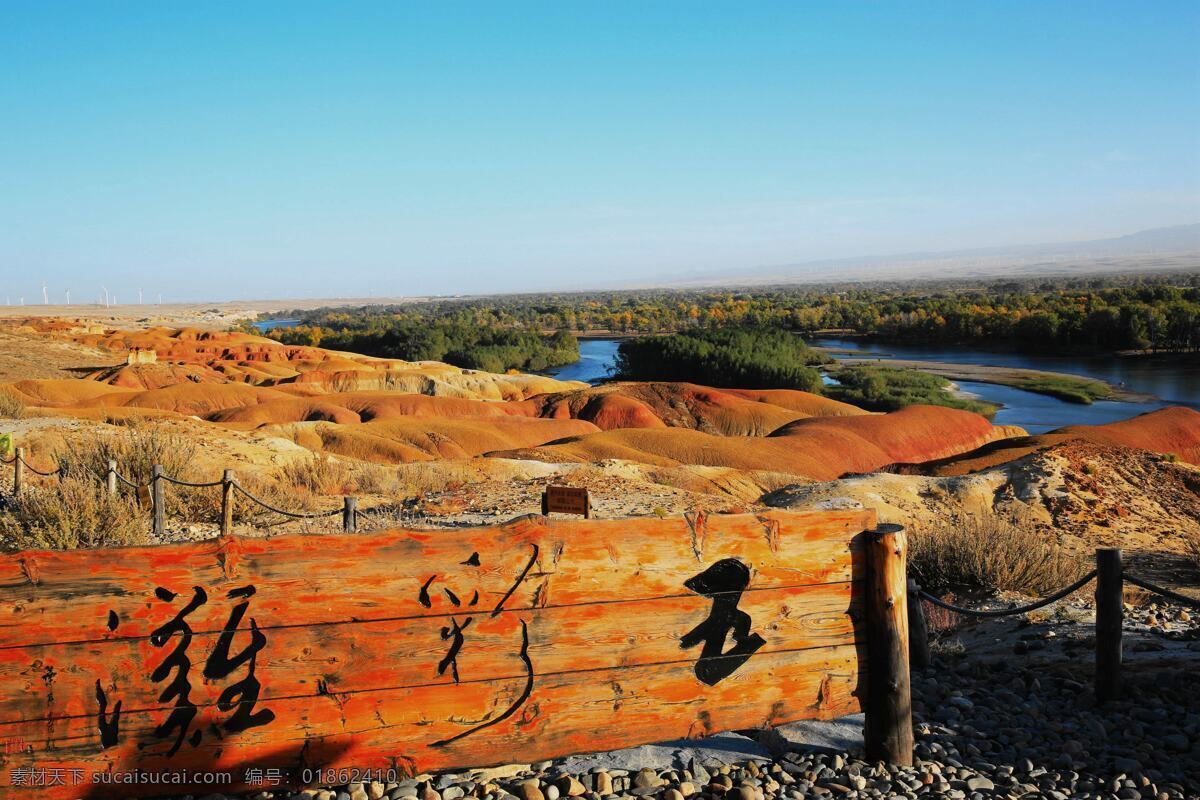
(1008, 612)
(1110, 577)
(228, 484)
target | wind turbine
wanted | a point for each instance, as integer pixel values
(45, 296)
(105, 288)
(139, 297)
(68, 297)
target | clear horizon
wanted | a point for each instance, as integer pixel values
(213, 151)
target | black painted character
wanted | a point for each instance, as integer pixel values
(109, 725)
(454, 633)
(244, 694)
(180, 688)
(724, 583)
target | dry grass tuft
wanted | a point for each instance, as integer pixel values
(11, 406)
(318, 474)
(72, 513)
(991, 554)
(136, 450)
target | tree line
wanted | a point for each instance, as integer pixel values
(417, 338)
(1148, 313)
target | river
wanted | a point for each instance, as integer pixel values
(1172, 381)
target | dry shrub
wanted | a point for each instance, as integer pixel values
(378, 479)
(1191, 543)
(72, 513)
(270, 490)
(991, 554)
(136, 449)
(318, 474)
(11, 406)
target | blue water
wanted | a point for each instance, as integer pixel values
(269, 324)
(1170, 381)
(597, 357)
(1177, 382)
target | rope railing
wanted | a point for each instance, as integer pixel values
(130, 483)
(1110, 576)
(277, 510)
(228, 485)
(35, 471)
(191, 484)
(1150, 587)
(1008, 612)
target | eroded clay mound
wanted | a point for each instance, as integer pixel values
(813, 405)
(405, 440)
(723, 412)
(816, 448)
(156, 376)
(359, 407)
(1169, 430)
(157, 355)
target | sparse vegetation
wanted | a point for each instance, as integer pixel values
(318, 474)
(991, 554)
(1072, 390)
(136, 449)
(72, 513)
(889, 389)
(1192, 545)
(11, 406)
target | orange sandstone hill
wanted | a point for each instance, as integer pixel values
(1174, 431)
(816, 449)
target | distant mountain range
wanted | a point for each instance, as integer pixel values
(1155, 250)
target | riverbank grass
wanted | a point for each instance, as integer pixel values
(891, 388)
(1067, 388)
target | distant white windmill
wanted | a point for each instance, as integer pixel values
(105, 288)
(68, 297)
(45, 296)
(139, 297)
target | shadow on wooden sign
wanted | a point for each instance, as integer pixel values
(275, 660)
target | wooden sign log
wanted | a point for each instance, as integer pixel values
(272, 662)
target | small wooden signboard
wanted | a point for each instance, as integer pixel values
(242, 664)
(566, 500)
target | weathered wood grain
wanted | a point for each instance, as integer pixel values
(405, 652)
(398, 728)
(48, 596)
(565, 637)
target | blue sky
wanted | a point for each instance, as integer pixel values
(214, 150)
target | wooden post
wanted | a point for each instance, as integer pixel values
(888, 733)
(918, 629)
(110, 478)
(156, 500)
(18, 470)
(227, 503)
(350, 514)
(1109, 619)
